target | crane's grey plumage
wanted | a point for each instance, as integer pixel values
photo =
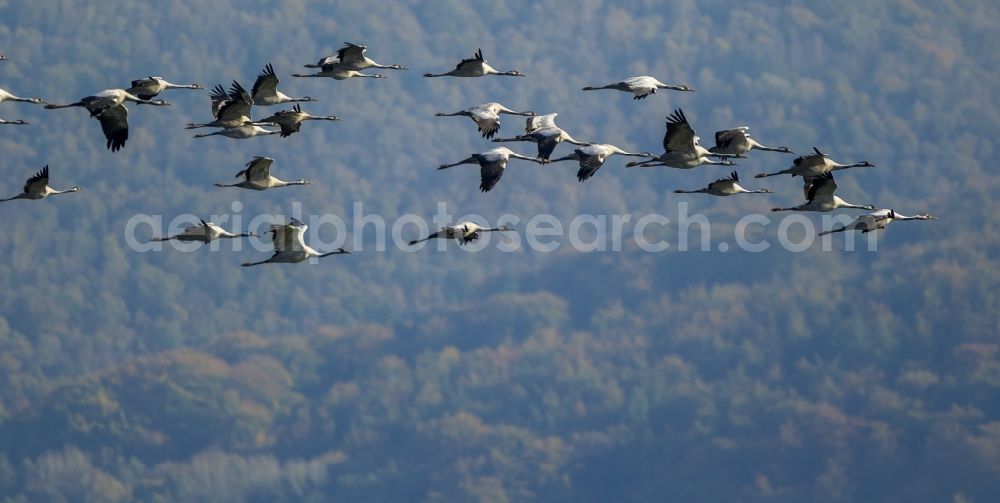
(352, 57)
(149, 87)
(205, 232)
(114, 124)
(6, 96)
(820, 197)
(108, 98)
(230, 109)
(640, 87)
(680, 147)
(737, 141)
(486, 116)
(476, 66)
(876, 220)
(265, 90)
(257, 176)
(724, 187)
(815, 164)
(108, 107)
(246, 131)
(492, 164)
(542, 129)
(37, 187)
(338, 72)
(464, 232)
(291, 121)
(290, 246)
(591, 158)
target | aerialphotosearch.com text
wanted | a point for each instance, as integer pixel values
(543, 233)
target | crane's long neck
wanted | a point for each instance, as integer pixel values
(847, 166)
(168, 85)
(661, 85)
(525, 158)
(281, 183)
(387, 67)
(840, 203)
(754, 145)
(338, 251)
(321, 118)
(569, 139)
(71, 189)
(618, 151)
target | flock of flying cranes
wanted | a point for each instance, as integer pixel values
(231, 111)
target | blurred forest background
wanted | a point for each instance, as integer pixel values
(491, 376)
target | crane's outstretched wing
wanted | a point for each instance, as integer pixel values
(351, 53)
(821, 188)
(258, 169)
(680, 136)
(288, 237)
(547, 138)
(589, 164)
(536, 122)
(114, 123)
(238, 105)
(143, 88)
(267, 82)
(723, 139)
(490, 173)
(38, 182)
(487, 122)
(474, 60)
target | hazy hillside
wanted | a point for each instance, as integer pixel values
(391, 375)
